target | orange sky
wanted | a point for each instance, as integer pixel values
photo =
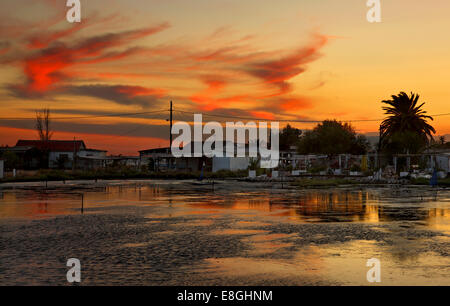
(283, 59)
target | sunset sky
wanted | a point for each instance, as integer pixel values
(271, 59)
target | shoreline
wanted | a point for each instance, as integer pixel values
(293, 183)
(218, 184)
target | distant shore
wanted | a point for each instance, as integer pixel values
(113, 174)
(304, 181)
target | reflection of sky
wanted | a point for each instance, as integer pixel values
(371, 206)
(273, 255)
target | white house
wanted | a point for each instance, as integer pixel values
(230, 163)
(162, 158)
(61, 153)
(443, 162)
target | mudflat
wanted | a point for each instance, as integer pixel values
(150, 232)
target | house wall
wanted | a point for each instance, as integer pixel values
(220, 163)
(53, 159)
(443, 162)
(239, 163)
(84, 153)
(188, 163)
(230, 163)
(89, 164)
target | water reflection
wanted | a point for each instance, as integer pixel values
(335, 205)
(369, 206)
(274, 242)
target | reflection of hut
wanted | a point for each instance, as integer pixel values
(333, 206)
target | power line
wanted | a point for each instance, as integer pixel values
(204, 114)
(127, 132)
(86, 117)
(289, 120)
(438, 115)
(280, 120)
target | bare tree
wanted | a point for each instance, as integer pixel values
(43, 124)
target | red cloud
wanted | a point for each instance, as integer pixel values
(42, 41)
(272, 71)
(57, 61)
(295, 104)
(207, 99)
(46, 69)
(262, 115)
(278, 72)
(4, 50)
(121, 94)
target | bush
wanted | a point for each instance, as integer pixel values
(317, 169)
(355, 168)
(123, 173)
(228, 174)
(322, 182)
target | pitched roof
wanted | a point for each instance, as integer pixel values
(53, 145)
(17, 149)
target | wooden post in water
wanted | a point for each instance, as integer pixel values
(82, 203)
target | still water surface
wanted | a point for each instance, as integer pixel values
(282, 236)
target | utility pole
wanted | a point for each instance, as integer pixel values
(170, 136)
(74, 154)
(170, 132)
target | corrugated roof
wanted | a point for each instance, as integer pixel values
(53, 145)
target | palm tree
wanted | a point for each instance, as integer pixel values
(405, 118)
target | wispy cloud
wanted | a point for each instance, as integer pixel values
(121, 94)
(279, 71)
(224, 74)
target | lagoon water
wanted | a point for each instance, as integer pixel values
(235, 233)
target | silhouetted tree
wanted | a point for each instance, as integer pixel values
(406, 120)
(332, 137)
(12, 161)
(289, 136)
(42, 124)
(43, 129)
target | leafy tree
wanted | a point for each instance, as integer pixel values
(403, 142)
(440, 144)
(289, 136)
(405, 119)
(253, 164)
(331, 138)
(12, 161)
